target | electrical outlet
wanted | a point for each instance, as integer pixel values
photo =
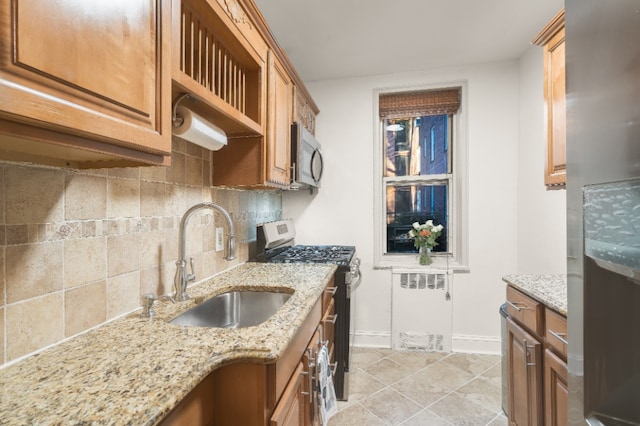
(219, 238)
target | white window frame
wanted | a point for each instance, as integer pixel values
(458, 257)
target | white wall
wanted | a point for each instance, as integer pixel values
(542, 225)
(341, 212)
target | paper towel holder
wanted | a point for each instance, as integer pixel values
(189, 126)
(176, 120)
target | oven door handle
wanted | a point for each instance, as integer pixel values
(352, 286)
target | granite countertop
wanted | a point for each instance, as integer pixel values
(135, 370)
(550, 290)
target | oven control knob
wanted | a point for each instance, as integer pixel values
(355, 266)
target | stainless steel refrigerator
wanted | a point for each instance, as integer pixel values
(603, 210)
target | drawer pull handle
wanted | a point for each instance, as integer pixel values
(332, 320)
(305, 373)
(560, 336)
(519, 306)
(331, 290)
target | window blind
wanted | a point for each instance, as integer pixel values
(421, 103)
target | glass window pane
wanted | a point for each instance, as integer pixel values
(417, 146)
(415, 203)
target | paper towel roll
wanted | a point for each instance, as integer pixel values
(199, 131)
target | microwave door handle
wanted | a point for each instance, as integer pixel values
(294, 177)
(313, 156)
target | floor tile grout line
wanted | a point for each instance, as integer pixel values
(449, 393)
(372, 413)
(500, 414)
(422, 369)
(422, 408)
(418, 403)
(475, 403)
(427, 409)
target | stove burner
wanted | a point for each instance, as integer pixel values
(339, 255)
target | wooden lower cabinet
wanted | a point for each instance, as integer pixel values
(556, 391)
(524, 360)
(196, 408)
(536, 362)
(309, 373)
(255, 394)
(291, 409)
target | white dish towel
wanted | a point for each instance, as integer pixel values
(328, 402)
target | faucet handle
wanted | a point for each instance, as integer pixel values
(231, 247)
(147, 305)
(192, 275)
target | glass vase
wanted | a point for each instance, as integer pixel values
(424, 255)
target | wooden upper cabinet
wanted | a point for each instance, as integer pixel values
(219, 59)
(552, 39)
(262, 161)
(225, 56)
(85, 83)
(279, 108)
(305, 110)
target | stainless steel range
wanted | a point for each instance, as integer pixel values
(275, 243)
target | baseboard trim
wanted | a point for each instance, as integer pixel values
(477, 344)
(372, 339)
(460, 342)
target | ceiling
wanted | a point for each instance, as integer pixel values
(329, 39)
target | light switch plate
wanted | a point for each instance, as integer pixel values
(219, 238)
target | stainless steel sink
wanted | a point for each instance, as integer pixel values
(234, 309)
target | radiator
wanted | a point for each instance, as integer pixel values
(421, 310)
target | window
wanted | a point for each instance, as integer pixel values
(418, 180)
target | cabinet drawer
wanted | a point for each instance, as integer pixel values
(525, 310)
(556, 332)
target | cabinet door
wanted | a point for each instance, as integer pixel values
(328, 325)
(196, 408)
(304, 112)
(524, 360)
(554, 63)
(278, 143)
(291, 408)
(556, 391)
(311, 414)
(95, 70)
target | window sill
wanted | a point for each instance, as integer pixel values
(409, 261)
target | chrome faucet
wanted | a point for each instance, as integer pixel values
(182, 277)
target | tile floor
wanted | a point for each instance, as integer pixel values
(422, 389)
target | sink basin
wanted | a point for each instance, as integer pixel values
(234, 309)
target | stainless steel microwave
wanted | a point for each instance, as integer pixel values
(306, 158)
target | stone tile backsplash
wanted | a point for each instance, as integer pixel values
(79, 247)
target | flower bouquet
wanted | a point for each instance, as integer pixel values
(424, 239)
